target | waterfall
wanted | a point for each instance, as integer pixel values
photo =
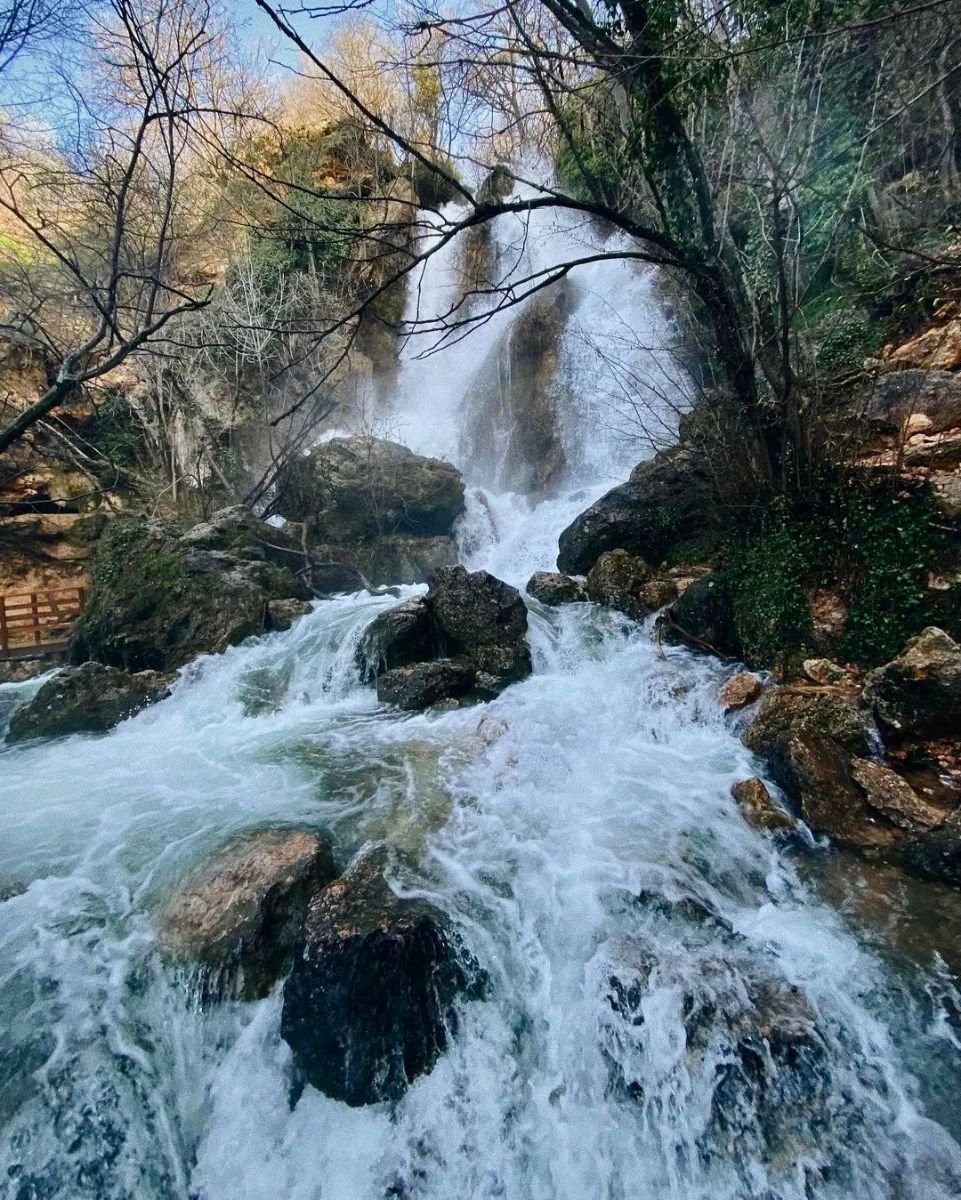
(578, 830)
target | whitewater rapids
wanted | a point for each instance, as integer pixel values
(580, 833)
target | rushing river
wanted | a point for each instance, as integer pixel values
(640, 939)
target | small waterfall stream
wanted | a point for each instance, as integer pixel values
(642, 942)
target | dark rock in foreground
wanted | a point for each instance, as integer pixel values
(466, 637)
(239, 917)
(666, 506)
(91, 698)
(553, 588)
(473, 608)
(369, 1005)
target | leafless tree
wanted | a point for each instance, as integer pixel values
(98, 220)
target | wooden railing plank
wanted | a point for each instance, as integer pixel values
(38, 620)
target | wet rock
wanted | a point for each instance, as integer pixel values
(498, 666)
(239, 918)
(702, 618)
(422, 684)
(758, 807)
(465, 635)
(369, 1004)
(161, 595)
(797, 708)
(473, 608)
(934, 396)
(91, 698)
(616, 579)
(361, 488)
(740, 691)
(816, 771)
(281, 614)
(893, 797)
(667, 503)
(553, 588)
(399, 636)
(918, 694)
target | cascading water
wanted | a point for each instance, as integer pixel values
(671, 1011)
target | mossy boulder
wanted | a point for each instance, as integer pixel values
(161, 594)
(360, 488)
(91, 698)
(918, 694)
(702, 617)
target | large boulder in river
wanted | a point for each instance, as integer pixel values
(465, 637)
(369, 1004)
(362, 487)
(91, 698)
(162, 594)
(918, 694)
(474, 608)
(667, 507)
(238, 919)
(375, 507)
(822, 711)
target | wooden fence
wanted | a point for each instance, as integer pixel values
(37, 623)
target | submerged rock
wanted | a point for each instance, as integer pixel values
(667, 504)
(553, 588)
(239, 917)
(918, 694)
(91, 698)
(423, 684)
(618, 580)
(369, 1005)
